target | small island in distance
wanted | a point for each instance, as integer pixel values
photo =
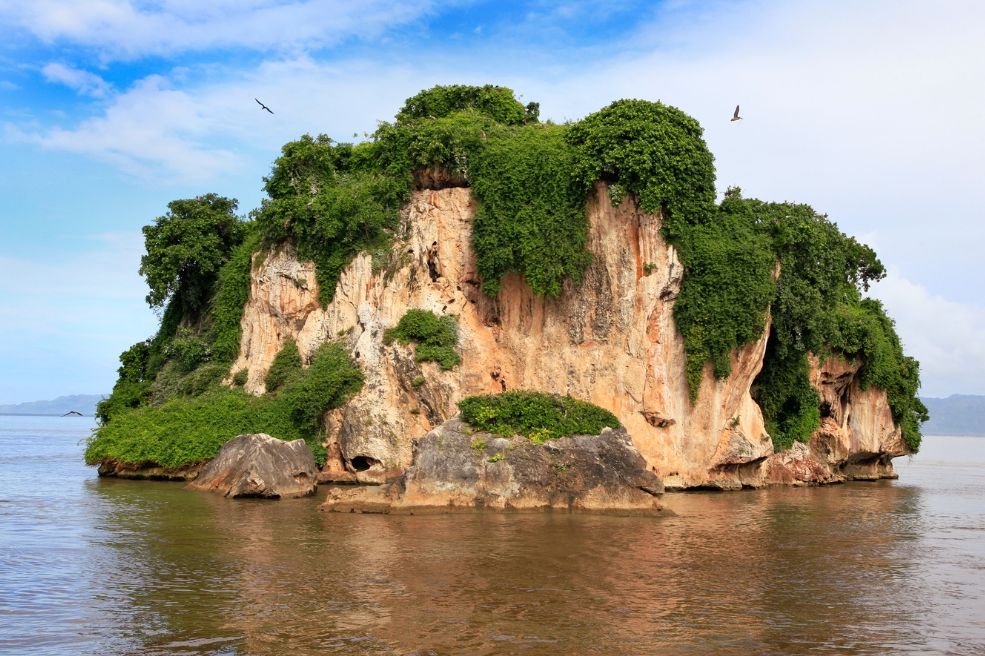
(80, 404)
(958, 414)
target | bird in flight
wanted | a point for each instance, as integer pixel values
(269, 110)
(735, 116)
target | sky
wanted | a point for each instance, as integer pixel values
(873, 112)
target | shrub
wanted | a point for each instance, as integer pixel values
(286, 366)
(534, 414)
(184, 430)
(188, 430)
(435, 337)
(187, 350)
(327, 383)
(240, 377)
(531, 211)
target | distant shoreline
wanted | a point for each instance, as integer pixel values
(39, 414)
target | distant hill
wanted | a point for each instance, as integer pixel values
(958, 414)
(84, 403)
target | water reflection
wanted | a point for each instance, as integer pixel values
(763, 571)
(103, 566)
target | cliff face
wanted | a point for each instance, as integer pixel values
(611, 340)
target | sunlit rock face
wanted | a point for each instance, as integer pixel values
(610, 340)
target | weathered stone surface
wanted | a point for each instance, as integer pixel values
(117, 469)
(456, 469)
(260, 466)
(611, 341)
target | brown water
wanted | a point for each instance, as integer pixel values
(103, 566)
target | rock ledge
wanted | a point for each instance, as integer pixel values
(455, 468)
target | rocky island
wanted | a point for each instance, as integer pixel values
(467, 274)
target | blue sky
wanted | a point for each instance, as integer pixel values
(873, 112)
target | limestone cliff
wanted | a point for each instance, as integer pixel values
(611, 340)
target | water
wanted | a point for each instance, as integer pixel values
(91, 566)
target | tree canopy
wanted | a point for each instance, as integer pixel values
(186, 248)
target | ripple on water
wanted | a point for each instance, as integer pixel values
(102, 566)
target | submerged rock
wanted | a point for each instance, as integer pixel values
(260, 466)
(455, 468)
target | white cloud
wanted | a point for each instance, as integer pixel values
(82, 81)
(947, 338)
(152, 130)
(193, 134)
(128, 28)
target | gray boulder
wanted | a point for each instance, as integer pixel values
(456, 468)
(260, 466)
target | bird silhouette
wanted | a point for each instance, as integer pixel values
(269, 110)
(735, 116)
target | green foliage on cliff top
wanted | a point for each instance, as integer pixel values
(495, 102)
(327, 208)
(186, 429)
(654, 151)
(534, 414)
(435, 337)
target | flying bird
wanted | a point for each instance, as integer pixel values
(735, 116)
(269, 110)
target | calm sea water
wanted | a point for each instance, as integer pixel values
(91, 566)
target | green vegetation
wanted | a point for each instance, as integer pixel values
(496, 102)
(653, 151)
(535, 415)
(186, 248)
(818, 308)
(232, 290)
(436, 337)
(186, 429)
(531, 214)
(531, 180)
(323, 201)
(286, 365)
(327, 382)
(727, 289)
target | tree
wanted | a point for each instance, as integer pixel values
(186, 248)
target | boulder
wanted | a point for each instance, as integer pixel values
(455, 468)
(260, 466)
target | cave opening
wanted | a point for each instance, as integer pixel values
(363, 463)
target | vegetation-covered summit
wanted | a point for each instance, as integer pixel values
(531, 180)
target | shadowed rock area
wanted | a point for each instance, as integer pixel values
(260, 466)
(455, 468)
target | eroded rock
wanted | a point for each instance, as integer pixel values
(260, 466)
(457, 469)
(612, 341)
